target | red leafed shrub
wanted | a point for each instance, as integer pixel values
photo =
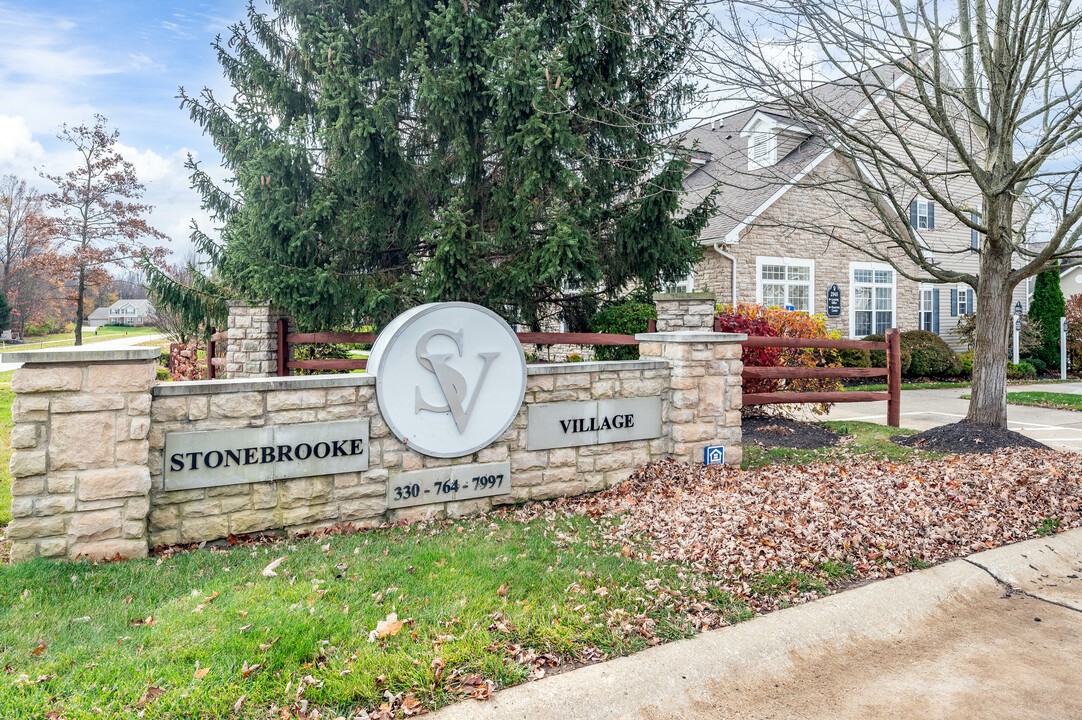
(185, 363)
(774, 322)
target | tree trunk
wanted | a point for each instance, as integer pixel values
(988, 399)
(79, 306)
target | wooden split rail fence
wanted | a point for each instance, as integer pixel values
(891, 346)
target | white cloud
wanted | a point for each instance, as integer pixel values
(19, 152)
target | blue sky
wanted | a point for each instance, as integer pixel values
(64, 60)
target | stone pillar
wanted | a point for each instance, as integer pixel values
(252, 350)
(704, 396)
(80, 483)
(685, 311)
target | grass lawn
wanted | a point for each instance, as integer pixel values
(938, 384)
(866, 439)
(89, 336)
(1063, 401)
(479, 597)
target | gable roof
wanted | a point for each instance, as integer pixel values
(137, 305)
(744, 194)
(99, 313)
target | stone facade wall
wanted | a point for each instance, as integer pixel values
(79, 460)
(689, 312)
(769, 236)
(252, 347)
(704, 398)
(360, 498)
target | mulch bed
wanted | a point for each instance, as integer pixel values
(730, 526)
(770, 431)
(968, 437)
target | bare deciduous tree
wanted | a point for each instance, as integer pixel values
(99, 225)
(973, 105)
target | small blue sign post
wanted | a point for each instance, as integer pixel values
(713, 455)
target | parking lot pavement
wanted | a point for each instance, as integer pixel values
(925, 409)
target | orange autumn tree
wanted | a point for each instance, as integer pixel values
(98, 223)
(775, 322)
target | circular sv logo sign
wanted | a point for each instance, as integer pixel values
(450, 377)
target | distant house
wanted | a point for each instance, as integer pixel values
(124, 312)
(99, 317)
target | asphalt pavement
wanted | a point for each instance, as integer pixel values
(925, 409)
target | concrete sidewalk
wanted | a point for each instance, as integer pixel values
(996, 635)
(924, 409)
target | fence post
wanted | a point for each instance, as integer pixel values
(210, 353)
(894, 377)
(283, 347)
(1063, 348)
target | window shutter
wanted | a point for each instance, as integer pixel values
(931, 215)
(913, 213)
(969, 302)
(954, 303)
(935, 311)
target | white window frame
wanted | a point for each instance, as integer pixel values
(687, 285)
(922, 220)
(853, 266)
(963, 299)
(925, 291)
(787, 262)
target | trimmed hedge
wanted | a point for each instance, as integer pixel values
(930, 355)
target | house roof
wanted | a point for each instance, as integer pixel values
(743, 194)
(99, 313)
(137, 304)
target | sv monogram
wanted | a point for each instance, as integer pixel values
(451, 381)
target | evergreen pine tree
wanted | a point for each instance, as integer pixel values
(1046, 309)
(5, 313)
(385, 153)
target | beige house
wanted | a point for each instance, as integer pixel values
(777, 238)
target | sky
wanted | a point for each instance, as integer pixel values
(62, 61)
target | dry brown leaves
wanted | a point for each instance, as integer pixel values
(878, 516)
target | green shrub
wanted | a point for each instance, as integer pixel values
(621, 318)
(853, 358)
(967, 363)
(878, 358)
(1045, 310)
(1021, 371)
(930, 355)
(161, 373)
(327, 351)
(1038, 364)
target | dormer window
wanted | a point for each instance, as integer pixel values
(762, 148)
(770, 138)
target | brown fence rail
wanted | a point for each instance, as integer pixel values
(214, 363)
(893, 373)
(287, 339)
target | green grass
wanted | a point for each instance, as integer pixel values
(938, 384)
(89, 336)
(869, 440)
(471, 589)
(1064, 401)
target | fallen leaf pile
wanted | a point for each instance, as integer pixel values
(880, 517)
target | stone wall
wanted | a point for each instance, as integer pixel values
(252, 347)
(690, 312)
(80, 451)
(91, 428)
(360, 498)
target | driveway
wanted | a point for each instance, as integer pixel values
(120, 342)
(924, 409)
(994, 635)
